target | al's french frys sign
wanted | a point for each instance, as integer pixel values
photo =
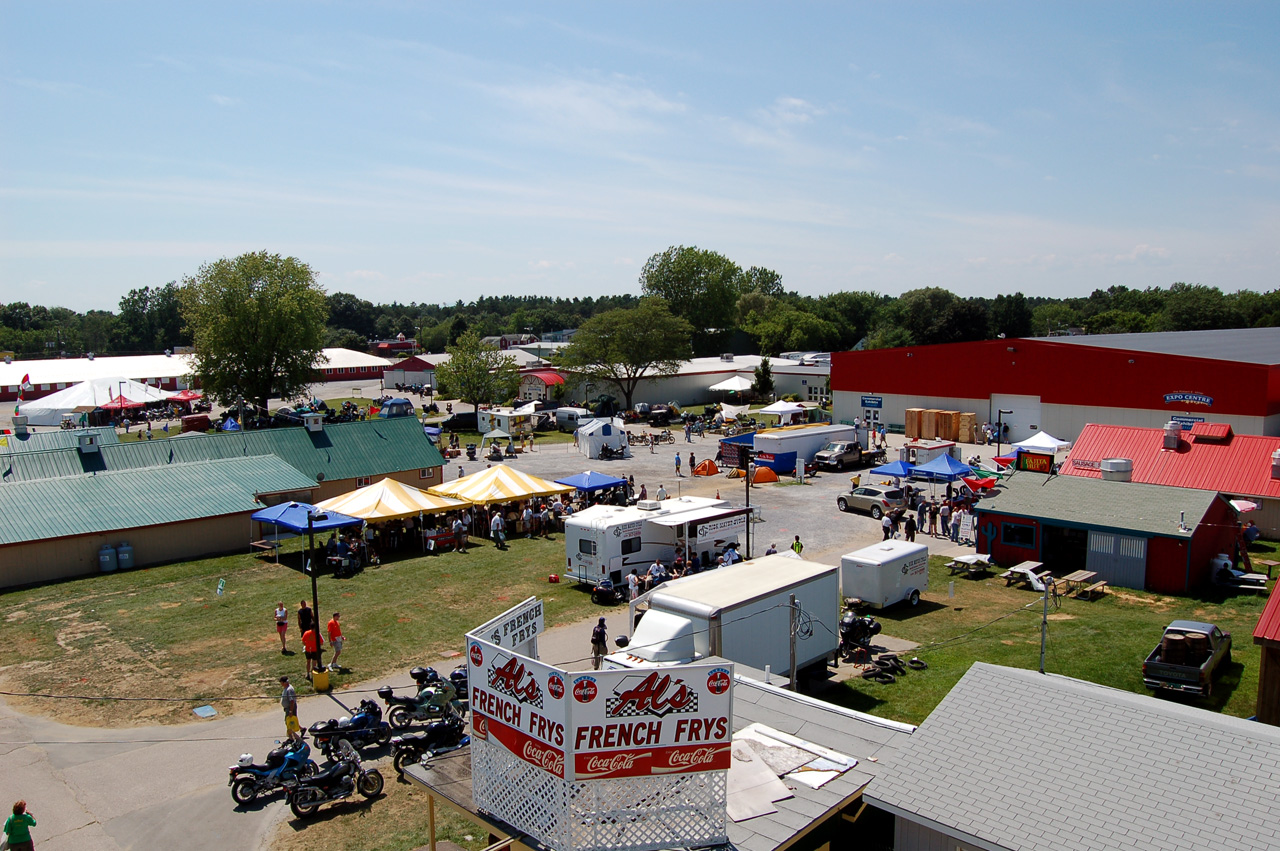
(649, 721)
(602, 724)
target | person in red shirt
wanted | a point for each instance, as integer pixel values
(311, 645)
(335, 639)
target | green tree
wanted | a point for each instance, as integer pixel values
(700, 286)
(627, 345)
(1011, 316)
(1194, 307)
(477, 372)
(258, 324)
(150, 320)
(764, 377)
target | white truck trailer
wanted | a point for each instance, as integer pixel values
(804, 440)
(741, 613)
(885, 573)
(606, 541)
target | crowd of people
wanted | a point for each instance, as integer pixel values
(927, 515)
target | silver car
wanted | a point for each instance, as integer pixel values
(876, 500)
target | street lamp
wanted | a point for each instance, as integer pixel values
(1000, 427)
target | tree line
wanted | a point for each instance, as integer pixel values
(729, 308)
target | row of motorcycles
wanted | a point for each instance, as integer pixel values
(438, 702)
(643, 438)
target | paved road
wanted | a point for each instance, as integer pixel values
(165, 787)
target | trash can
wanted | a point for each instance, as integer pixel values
(124, 555)
(107, 559)
(320, 679)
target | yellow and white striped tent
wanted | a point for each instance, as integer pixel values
(498, 484)
(389, 499)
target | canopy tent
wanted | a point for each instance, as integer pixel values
(186, 396)
(87, 395)
(1043, 442)
(592, 436)
(294, 517)
(498, 484)
(733, 384)
(388, 500)
(944, 468)
(120, 403)
(732, 412)
(786, 412)
(493, 437)
(591, 481)
(895, 469)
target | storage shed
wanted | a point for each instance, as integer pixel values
(1132, 535)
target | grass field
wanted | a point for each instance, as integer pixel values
(166, 632)
(1104, 641)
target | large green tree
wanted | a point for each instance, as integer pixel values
(150, 320)
(702, 286)
(258, 325)
(625, 346)
(477, 372)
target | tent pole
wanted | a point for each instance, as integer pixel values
(315, 598)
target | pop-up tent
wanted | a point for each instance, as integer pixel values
(87, 395)
(599, 433)
(1043, 442)
(786, 412)
(944, 468)
(733, 384)
(498, 484)
(591, 481)
(894, 469)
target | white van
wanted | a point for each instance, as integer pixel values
(568, 419)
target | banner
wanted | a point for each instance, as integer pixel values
(722, 529)
(1035, 462)
(519, 703)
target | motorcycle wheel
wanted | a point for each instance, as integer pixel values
(370, 783)
(309, 769)
(399, 718)
(404, 757)
(244, 790)
(305, 802)
(384, 735)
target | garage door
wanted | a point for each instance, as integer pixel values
(1120, 560)
(1025, 414)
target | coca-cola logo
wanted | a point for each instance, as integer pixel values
(555, 686)
(477, 655)
(611, 764)
(480, 726)
(548, 759)
(718, 681)
(656, 694)
(692, 758)
(512, 678)
(584, 689)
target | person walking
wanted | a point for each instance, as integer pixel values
(909, 526)
(311, 649)
(497, 528)
(796, 546)
(933, 518)
(644, 491)
(693, 464)
(289, 702)
(335, 640)
(886, 525)
(944, 519)
(633, 584)
(599, 644)
(923, 521)
(459, 534)
(773, 550)
(955, 526)
(282, 627)
(306, 617)
(678, 473)
(17, 828)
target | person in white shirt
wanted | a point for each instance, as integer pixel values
(662, 493)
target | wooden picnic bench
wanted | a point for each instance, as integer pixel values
(1093, 592)
(264, 545)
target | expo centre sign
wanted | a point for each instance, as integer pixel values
(546, 736)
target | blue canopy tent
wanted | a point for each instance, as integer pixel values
(591, 481)
(895, 469)
(303, 517)
(944, 468)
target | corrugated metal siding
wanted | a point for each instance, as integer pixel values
(1268, 628)
(54, 439)
(1119, 560)
(79, 505)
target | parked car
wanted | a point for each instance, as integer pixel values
(873, 499)
(1188, 658)
(461, 422)
(843, 454)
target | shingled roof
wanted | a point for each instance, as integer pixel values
(1014, 759)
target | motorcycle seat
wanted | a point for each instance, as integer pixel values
(324, 726)
(334, 772)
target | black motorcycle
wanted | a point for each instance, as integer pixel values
(435, 698)
(446, 734)
(606, 593)
(608, 453)
(471, 452)
(346, 776)
(856, 632)
(365, 727)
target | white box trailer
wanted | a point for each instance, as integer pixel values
(804, 440)
(609, 541)
(885, 573)
(741, 613)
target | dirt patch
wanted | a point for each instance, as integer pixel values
(1157, 603)
(175, 605)
(16, 615)
(1061, 617)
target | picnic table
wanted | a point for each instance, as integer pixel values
(1026, 573)
(1267, 563)
(973, 564)
(1079, 580)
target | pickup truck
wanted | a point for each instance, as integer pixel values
(844, 454)
(1207, 649)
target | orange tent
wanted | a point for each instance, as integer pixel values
(706, 468)
(764, 475)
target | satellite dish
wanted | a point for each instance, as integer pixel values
(319, 477)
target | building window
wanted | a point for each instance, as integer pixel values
(587, 547)
(630, 545)
(424, 473)
(363, 481)
(818, 394)
(44, 386)
(1018, 535)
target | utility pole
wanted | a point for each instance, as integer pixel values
(794, 625)
(744, 462)
(1044, 620)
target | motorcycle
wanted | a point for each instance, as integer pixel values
(471, 452)
(341, 780)
(436, 698)
(606, 593)
(365, 727)
(608, 453)
(441, 736)
(291, 761)
(856, 632)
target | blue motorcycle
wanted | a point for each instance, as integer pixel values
(291, 761)
(365, 727)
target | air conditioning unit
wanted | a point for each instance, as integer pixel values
(648, 505)
(1172, 434)
(727, 357)
(1275, 464)
(313, 421)
(88, 443)
(1116, 469)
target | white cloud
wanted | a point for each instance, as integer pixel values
(614, 105)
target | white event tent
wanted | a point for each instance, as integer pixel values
(85, 396)
(1042, 441)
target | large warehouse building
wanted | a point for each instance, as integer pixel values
(1058, 384)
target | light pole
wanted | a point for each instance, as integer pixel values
(1000, 427)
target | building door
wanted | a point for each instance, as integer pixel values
(1120, 560)
(1023, 422)
(1064, 550)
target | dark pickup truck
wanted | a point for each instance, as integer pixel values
(1188, 658)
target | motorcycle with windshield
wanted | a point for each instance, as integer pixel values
(345, 777)
(290, 761)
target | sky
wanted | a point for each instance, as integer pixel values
(436, 152)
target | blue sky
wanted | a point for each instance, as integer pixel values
(435, 152)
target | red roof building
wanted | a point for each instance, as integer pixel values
(1267, 636)
(537, 384)
(1209, 457)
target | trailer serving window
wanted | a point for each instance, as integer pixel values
(587, 547)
